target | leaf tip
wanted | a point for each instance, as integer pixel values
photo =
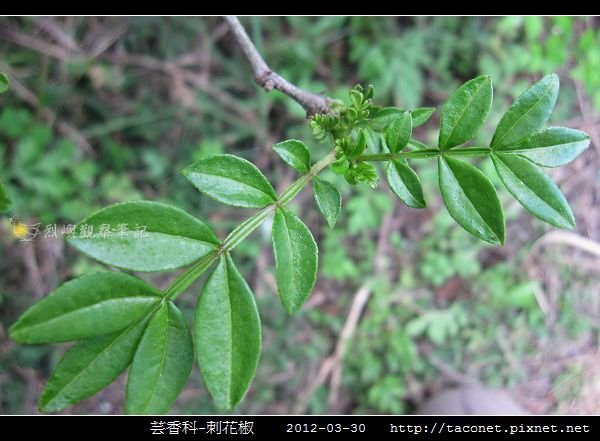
(553, 81)
(17, 334)
(46, 404)
(571, 223)
(14, 334)
(185, 171)
(291, 308)
(553, 77)
(495, 240)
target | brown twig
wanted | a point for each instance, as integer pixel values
(269, 80)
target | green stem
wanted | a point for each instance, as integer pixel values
(185, 279)
(295, 188)
(427, 153)
(189, 276)
(415, 143)
(245, 228)
(250, 224)
(470, 151)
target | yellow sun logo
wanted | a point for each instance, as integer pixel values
(22, 231)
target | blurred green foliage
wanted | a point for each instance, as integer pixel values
(444, 296)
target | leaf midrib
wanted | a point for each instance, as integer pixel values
(542, 147)
(291, 254)
(62, 316)
(162, 362)
(203, 173)
(230, 382)
(131, 234)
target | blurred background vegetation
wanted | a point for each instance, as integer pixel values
(103, 110)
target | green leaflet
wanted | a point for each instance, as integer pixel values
(527, 114)
(90, 366)
(295, 154)
(416, 144)
(359, 143)
(471, 200)
(162, 363)
(296, 259)
(552, 147)
(328, 199)
(144, 236)
(231, 180)
(91, 305)
(4, 199)
(384, 116)
(465, 111)
(533, 189)
(121, 320)
(421, 115)
(4, 82)
(398, 132)
(227, 334)
(374, 140)
(340, 165)
(405, 183)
